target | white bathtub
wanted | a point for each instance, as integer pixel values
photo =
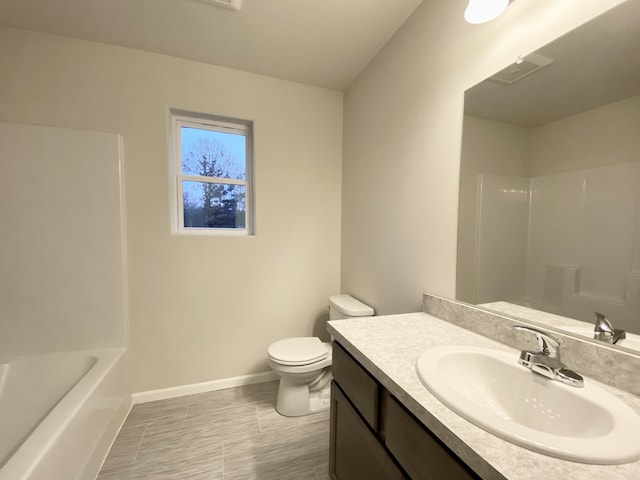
(59, 413)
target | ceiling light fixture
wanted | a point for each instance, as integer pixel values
(481, 11)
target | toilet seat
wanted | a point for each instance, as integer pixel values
(298, 351)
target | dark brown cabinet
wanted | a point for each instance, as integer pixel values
(374, 437)
(358, 385)
(355, 450)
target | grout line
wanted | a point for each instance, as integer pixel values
(222, 458)
(144, 432)
(188, 405)
(258, 418)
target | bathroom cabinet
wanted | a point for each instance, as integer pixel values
(374, 437)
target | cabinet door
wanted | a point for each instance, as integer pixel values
(357, 384)
(419, 452)
(355, 452)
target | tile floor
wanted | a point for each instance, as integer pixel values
(223, 435)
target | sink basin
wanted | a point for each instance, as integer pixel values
(631, 341)
(490, 389)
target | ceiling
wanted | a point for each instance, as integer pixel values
(325, 43)
(594, 65)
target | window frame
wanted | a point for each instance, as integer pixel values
(201, 121)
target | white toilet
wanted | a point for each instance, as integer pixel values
(304, 363)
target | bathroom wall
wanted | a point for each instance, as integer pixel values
(62, 285)
(402, 131)
(202, 308)
(607, 135)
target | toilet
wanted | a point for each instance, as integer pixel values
(304, 363)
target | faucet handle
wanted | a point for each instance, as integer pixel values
(547, 343)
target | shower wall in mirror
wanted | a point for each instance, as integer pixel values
(549, 214)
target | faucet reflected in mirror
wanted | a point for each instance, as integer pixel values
(605, 332)
(549, 216)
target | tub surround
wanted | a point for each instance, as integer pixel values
(611, 365)
(388, 347)
(65, 279)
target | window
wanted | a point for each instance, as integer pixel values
(211, 174)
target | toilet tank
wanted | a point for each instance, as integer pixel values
(345, 306)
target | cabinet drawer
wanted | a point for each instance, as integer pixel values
(355, 452)
(359, 386)
(419, 452)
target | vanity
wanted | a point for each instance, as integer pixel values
(385, 424)
(373, 436)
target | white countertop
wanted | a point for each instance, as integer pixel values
(389, 346)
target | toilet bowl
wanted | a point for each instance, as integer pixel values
(304, 364)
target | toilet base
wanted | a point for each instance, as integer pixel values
(295, 400)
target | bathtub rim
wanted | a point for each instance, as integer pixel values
(32, 451)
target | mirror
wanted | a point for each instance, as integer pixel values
(549, 216)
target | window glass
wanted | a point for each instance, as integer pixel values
(213, 205)
(212, 174)
(212, 154)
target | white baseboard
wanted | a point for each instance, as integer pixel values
(172, 392)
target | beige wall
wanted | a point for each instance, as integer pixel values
(402, 142)
(201, 308)
(606, 135)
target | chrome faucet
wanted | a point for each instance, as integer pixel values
(546, 361)
(605, 332)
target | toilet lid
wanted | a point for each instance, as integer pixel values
(298, 351)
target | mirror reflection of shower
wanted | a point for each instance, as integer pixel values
(562, 243)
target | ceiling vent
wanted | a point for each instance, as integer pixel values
(523, 67)
(228, 4)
